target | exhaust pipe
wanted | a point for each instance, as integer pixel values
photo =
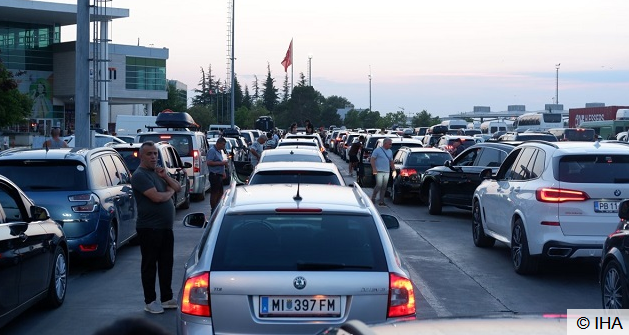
(559, 252)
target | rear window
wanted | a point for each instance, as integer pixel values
(286, 242)
(294, 177)
(131, 157)
(604, 169)
(292, 158)
(182, 142)
(428, 159)
(578, 135)
(46, 175)
(542, 137)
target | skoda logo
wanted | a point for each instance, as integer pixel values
(299, 282)
(617, 193)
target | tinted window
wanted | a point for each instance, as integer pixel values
(538, 166)
(66, 175)
(520, 170)
(99, 175)
(298, 243)
(294, 177)
(112, 172)
(491, 157)
(467, 158)
(431, 159)
(12, 210)
(543, 137)
(292, 158)
(182, 142)
(122, 171)
(606, 169)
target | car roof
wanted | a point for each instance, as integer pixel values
(421, 149)
(289, 150)
(574, 147)
(270, 197)
(52, 154)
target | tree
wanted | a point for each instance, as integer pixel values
(246, 99)
(238, 96)
(269, 92)
(204, 95)
(174, 101)
(397, 118)
(15, 107)
(302, 80)
(285, 89)
(424, 119)
(256, 90)
(203, 116)
(369, 119)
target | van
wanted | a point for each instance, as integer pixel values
(490, 127)
(622, 114)
(130, 124)
(192, 146)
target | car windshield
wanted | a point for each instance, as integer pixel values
(294, 177)
(271, 242)
(46, 175)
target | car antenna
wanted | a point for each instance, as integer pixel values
(298, 197)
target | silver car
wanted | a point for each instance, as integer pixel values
(292, 259)
(296, 172)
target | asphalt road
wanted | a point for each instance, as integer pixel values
(453, 278)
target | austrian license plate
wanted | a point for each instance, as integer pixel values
(325, 306)
(606, 206)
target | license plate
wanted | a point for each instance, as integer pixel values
(606, 206)
(322, 306)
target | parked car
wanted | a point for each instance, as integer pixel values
(99, 140)
(168, 158)
(281, 259)
(292, 155)
(614, 275)
(446, 143)
(556, 200)
(296, 172)
(410, 163)
(453, 182)
(192, 147)
(528, 136)
(87, 190)
(398, 142)
(33, 254)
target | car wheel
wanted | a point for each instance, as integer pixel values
(478, 232)
(396, 197)
(58, 279)
(109, 259)
(614, 287)
(523, 262)
(186, 202)
(434, 199)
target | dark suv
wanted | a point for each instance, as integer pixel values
(88, 191)
(168, 157)
(454, 182)
(410, 163)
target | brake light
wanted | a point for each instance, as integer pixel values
(196, 161)
(407, 172)
(164, 137)
(298, 210)
(90, 203)
(547, 194)
(196, 296)
(401, 296)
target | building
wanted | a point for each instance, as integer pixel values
(120, 75)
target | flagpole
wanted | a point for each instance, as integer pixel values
(292, 65)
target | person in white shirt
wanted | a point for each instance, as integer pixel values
(255, 150)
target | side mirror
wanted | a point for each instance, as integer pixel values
(623, 210)
(390, 221)
(187, 165)
(39, 213)
(195, 220)
(486, 174)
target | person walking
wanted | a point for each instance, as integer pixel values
(55, 142)
(255, 150)
(153, 190)
(216, 165)
(381, 166)
(353, 154)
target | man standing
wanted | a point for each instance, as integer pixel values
(255, 150)
(216, 166)
(353, 154)
(457, 147)
(381, 165)
(153, 190)
(55, 142)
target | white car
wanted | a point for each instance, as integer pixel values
(99, 140)
(296, 172)
(292, 155)
(554, 200)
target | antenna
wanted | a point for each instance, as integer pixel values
(298, 197)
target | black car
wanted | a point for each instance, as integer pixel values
(33, 254)
(167, 157)
(614, 264)
(454, 183)
(410, 163)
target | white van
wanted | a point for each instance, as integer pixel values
(130, 124)
(454, 124)
(622, 114)
(490, 127)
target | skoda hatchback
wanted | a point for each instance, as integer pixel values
(292, 259)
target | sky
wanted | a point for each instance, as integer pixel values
(444, 57)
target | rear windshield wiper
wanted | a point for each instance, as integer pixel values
(329, 266)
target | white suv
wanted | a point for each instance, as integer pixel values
(552, 200)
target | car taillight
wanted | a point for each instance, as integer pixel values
(196, 296)
(196, 165)
(90, 203)
(407, 172)
(547, 194)
(401, 296)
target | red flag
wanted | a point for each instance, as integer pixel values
(288, 60)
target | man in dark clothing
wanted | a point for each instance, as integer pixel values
(216, 165)
(353, 154)
(153, 190)
(457, 147)
(309, 128)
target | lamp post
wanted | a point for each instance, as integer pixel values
(369, 88)
(310, 70)
(557, 84)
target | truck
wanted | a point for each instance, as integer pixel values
(130, 125)
(578, 115)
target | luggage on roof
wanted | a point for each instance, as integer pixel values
(170, 119)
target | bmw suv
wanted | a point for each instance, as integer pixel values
(280, 259)
(87, 191)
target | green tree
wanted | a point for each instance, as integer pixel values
(238, 98)
(397, 118)
(329, 107)
(15, 107)
(174, 101)
(424, 119)
(203, 116)
(369, 119)
(303, 104)
(352, 119)
(203, 95)
(302, 80)
(285, 89)
(246, 98)
(269, 92)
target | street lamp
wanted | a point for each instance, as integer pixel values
(557, 84)
(310, 70)
(369, 88)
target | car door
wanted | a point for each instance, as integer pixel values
(122, 196)
(175, 171)
(458, 181)
(10, 265)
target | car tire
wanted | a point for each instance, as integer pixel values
(111, 248)
(434, 199)
(478, 231)
(523, 262)
(58, 279)
(396, 197)
(614, 287)
(186, 203)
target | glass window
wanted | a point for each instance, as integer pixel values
(99, 175)
(123, 173)
(491, 157)
(12, 211)
(181, 142)
(538, 166)
(467, 158)
(294, 177)
(605, 169)
(271, 242)
(66, 175)
(520, 170)
(112, 172)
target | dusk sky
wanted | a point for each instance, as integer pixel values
(441, 56)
